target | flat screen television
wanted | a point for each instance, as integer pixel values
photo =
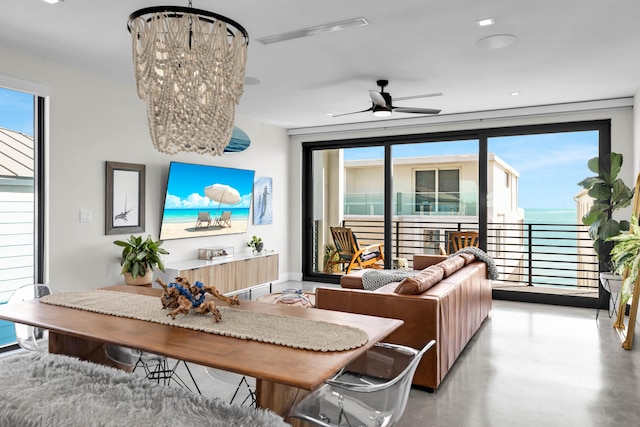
(205, 200)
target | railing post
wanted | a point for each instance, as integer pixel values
(530, 253)
(397, 253)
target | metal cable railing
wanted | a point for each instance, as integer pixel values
(532, 254)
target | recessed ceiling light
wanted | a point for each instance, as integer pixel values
(53, 1)
(497, 41)
(515, 93)
(485, 22)
(312, 31)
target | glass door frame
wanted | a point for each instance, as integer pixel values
(482, 135)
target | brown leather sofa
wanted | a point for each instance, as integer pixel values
(449, 311)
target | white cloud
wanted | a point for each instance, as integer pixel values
(195, 200)
(172, 202)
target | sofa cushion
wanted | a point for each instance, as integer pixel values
(451, 265)
(468, 258)
(421, 282)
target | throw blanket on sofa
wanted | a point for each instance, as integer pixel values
(374, 279)
(481, 255)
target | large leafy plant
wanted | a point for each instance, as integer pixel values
(625, 256)
(610, 193)
(140, 255)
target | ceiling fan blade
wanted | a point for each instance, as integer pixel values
(426, 95)
(378, 99)
(355, 112)
(416, 110)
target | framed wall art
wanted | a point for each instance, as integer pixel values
(124, 198)
(263, 200)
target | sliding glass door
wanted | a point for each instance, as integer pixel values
(516, 186)
(435, 191)
(21, 196)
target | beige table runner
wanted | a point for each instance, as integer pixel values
(282, 330)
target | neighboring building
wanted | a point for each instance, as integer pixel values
(444, 189)
(585, 251)
(432, 195)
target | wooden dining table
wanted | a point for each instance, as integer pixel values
(283, 375)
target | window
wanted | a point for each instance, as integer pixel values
(21, 196)
(445, 199)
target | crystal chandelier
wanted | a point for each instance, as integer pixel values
(189, 66)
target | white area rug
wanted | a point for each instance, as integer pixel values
(275, 329)
(41, 389)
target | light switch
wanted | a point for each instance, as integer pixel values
(85, 215)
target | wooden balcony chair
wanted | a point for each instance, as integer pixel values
(348, 252)
(459, 240)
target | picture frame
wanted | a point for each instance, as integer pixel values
(124, 198)
(263, 201)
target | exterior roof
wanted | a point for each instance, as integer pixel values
(16, 154)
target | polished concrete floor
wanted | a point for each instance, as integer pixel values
(536, 365)
(529, 365)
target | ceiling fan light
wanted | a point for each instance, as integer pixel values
(382, 112)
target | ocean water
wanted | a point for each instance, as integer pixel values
(553, 235)
(551, 216)
(181, 216)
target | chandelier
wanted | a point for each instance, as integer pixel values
(189, 66)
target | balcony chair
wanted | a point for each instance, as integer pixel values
(459, 240)
(203, 217)
(370, 391)
(348, 252)
(30, 337)
(224, 220)
(156, 367)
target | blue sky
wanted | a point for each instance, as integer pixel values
(187, 182)
(550, 165)
(16, 111)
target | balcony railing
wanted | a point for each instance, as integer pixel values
(536, 254)
(425, 203)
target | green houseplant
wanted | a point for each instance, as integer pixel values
(139, 259)
(330, 254)
(625, 256)
(256, 243)
(609, 194)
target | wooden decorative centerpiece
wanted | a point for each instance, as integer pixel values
(182, 296)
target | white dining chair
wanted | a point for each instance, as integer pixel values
(30, 337)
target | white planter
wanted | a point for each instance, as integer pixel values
(611, 282)
(140, 280)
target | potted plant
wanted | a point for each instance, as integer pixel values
(139, 259)
(609, 194)
(625, 256)
(256, 244)
(330, 254)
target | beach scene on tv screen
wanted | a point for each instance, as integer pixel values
(206, 200)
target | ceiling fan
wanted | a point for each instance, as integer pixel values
(382, 105)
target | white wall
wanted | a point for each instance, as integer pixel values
(623, 139)
(93, 120)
